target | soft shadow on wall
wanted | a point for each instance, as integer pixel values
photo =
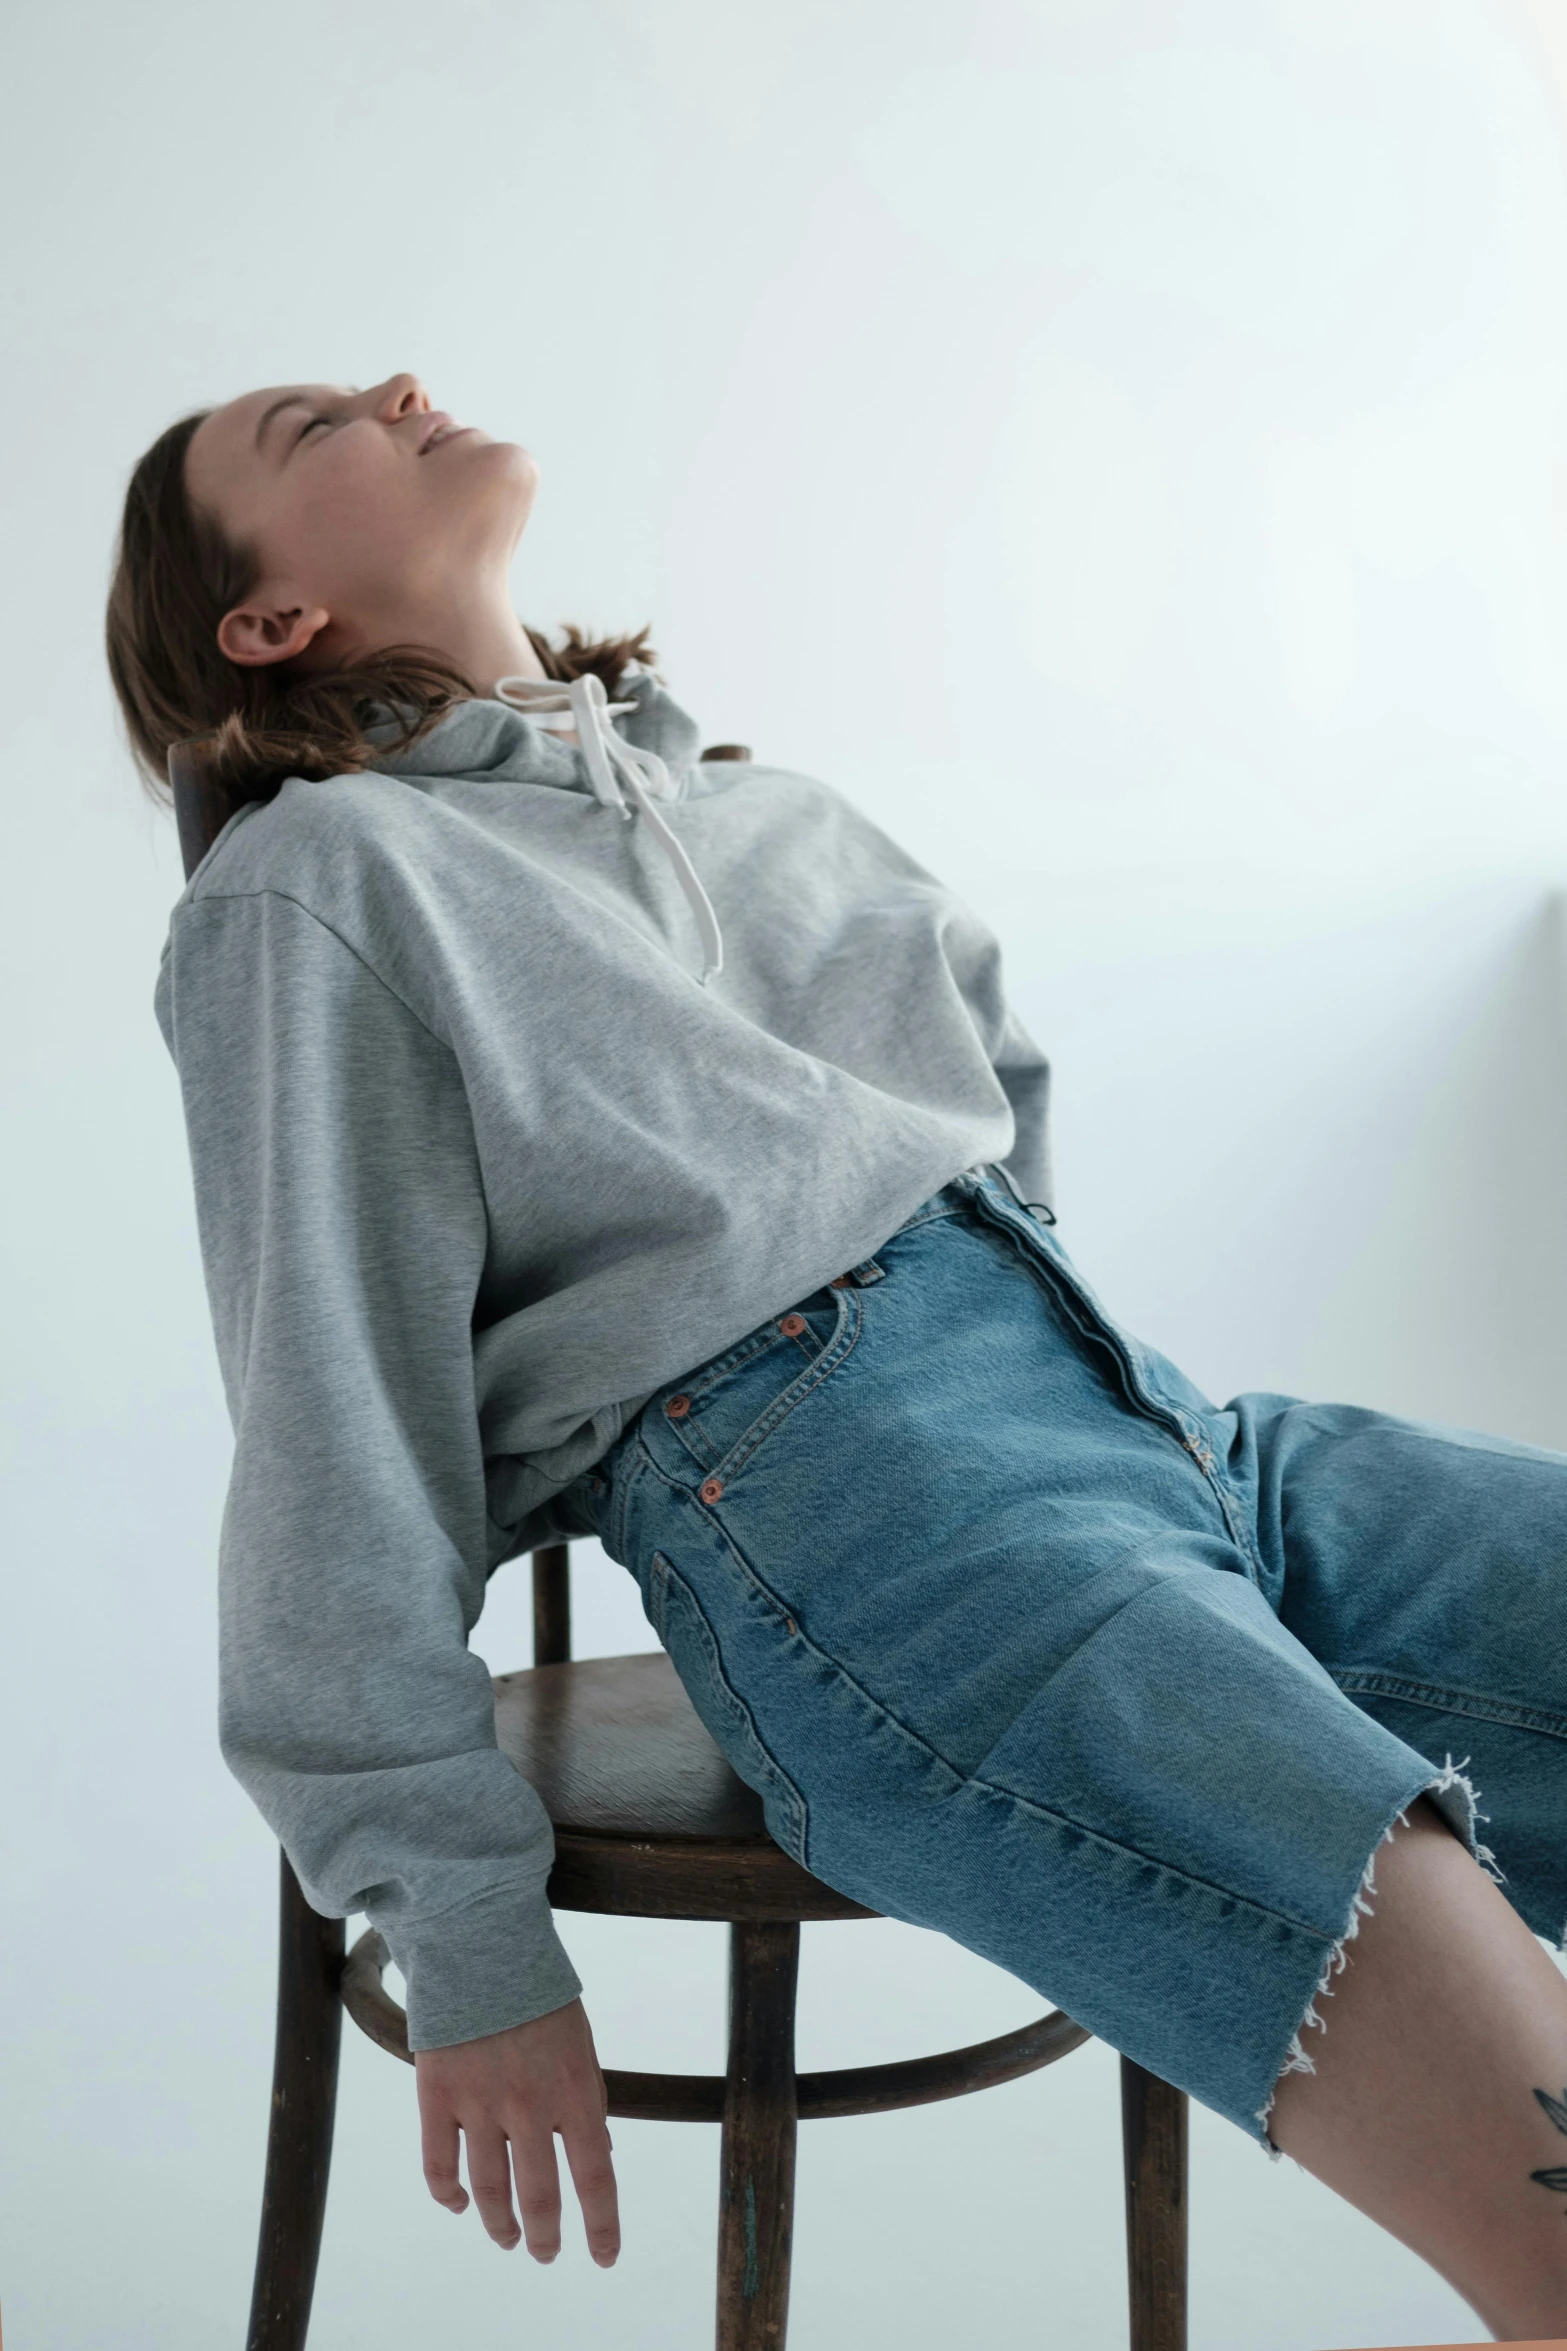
(1453, 1300)
(1326, 1151)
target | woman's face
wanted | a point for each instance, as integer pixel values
(371, 514)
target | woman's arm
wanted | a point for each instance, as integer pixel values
(343, 1230)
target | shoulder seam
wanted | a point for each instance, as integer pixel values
(236, 897)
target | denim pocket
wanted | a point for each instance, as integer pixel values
(682, 1624)
(723, 1412)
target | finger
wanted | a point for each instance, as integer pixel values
(538, 2189)
(438, 2138)
(593, 2177)
(598, 2074)
(489, 2176)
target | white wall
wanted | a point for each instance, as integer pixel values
(1122, 443)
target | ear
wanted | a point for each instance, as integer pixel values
(264, 631)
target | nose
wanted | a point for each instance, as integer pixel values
(399, 396)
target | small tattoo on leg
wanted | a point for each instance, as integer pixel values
(1556, 2108)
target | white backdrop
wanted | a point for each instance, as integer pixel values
(1121, 442)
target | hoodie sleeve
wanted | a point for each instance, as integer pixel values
(343, 1231)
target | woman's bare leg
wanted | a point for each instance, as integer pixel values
(1445, 2034)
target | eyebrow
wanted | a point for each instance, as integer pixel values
(289, 400)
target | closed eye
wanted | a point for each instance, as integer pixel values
(308, 427)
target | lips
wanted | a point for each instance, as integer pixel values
(438, 427)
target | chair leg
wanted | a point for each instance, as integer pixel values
(1153, 2140)
(299, 2142)
(756, 2154)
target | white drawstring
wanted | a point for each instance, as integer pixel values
(611, 762)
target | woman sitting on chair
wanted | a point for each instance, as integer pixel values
(587, 1139)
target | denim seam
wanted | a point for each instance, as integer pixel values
(1183, 1428)
(839, 1349)
(735, 1358)
(1170, 1869)
(750, 1351)
(1371, 1682)
(925, 1216)
(800, 1825)
(805, 1383)
(973, 1779)
(613, 1532)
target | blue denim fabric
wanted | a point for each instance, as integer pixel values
(1020, 1638)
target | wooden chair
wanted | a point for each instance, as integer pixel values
(650, 1822)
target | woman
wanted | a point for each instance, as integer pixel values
(585, 1139)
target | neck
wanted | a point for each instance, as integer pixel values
(486, 642)
(471, 624)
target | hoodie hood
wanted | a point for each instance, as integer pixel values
(627, 770)
(489, 739)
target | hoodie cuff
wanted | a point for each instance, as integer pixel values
(494, 1963)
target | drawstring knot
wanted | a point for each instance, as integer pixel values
(616, 768)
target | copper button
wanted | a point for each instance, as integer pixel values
(840, 1281)
(792, 1325)
(711, 1488)
(678, 1407)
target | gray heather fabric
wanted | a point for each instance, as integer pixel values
(479, 1165)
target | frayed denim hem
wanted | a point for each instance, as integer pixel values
(1454, 1796)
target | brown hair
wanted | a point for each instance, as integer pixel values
(175, 575)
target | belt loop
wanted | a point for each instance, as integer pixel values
(1040, 1208)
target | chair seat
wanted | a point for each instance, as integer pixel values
(649, 1818)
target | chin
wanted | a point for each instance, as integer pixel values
(509, 473)
(507, 460)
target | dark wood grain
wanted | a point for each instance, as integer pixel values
(299, 2140)
(657, 1879)
(615, 1748)
(756, 2150)
(552, 1605)
(697, 2097)
(1153, 2138)
(952, 2073)
(649, 1818)
(200, 811)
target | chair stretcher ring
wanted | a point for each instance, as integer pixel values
(697, 2097)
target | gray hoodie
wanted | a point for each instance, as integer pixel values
(481, 1161)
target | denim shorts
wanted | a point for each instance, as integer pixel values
(1019, 1637)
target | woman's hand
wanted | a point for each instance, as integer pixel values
(518, 2089)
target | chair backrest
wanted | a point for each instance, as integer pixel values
(201, 811)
